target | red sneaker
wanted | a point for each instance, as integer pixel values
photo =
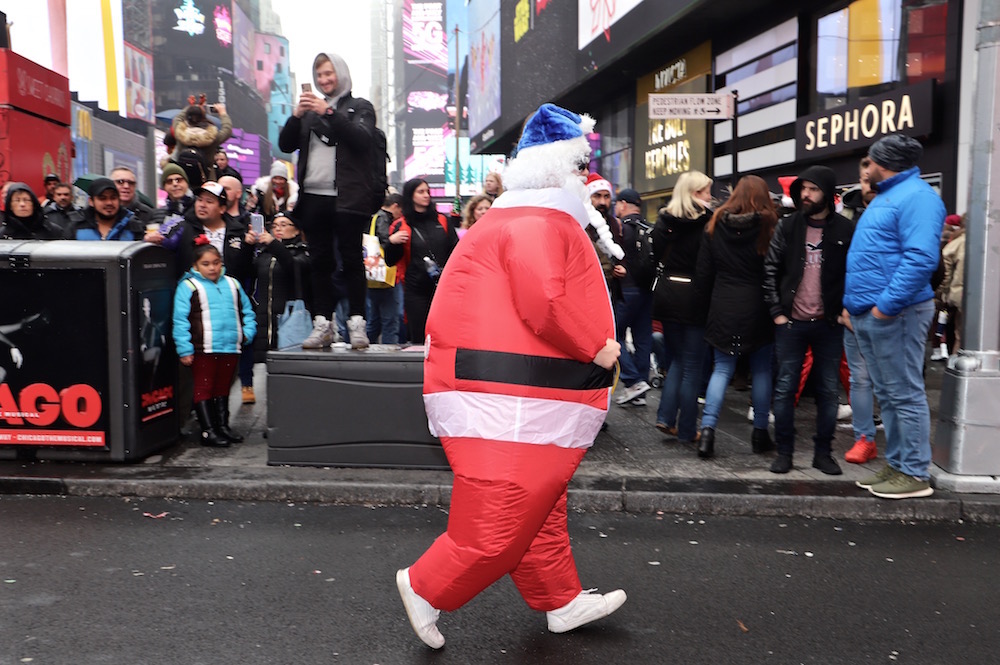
(862, 451)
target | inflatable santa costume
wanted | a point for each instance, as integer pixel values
(517, 378)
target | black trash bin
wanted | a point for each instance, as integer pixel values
(87, 365)
(338, 407)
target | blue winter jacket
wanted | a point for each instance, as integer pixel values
(896, 247)
(211, 317)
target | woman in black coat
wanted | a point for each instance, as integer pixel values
(676, 241)
(730, 279)
(420, 243)
(282, 275)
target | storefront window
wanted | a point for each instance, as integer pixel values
(612, 144)
(872, 46)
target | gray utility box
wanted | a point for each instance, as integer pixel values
(87, 365)
(338, 407)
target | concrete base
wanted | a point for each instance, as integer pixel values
(953, 482)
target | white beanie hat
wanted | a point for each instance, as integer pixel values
(279, 169)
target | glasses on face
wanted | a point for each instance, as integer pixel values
(123, 181)
(175, 180)
(283, 225)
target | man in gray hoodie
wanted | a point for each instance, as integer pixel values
(334, 133)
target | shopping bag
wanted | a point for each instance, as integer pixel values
(380, 275)
(294, 325)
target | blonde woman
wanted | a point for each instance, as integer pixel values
(493, 185)
(676, 240)
(474, 209)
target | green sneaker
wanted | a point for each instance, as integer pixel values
(883, 475)
(902, 486)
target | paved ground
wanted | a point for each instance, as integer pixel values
(632, 467)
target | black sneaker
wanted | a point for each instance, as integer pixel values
(781, 464)
(827, 465)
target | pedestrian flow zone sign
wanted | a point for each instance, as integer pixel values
(705, 106)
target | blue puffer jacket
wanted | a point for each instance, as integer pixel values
(211, 317)
(896, 247)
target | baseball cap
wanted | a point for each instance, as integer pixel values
(50, 177)
(215, 189)
(629, 195)
(101, 185)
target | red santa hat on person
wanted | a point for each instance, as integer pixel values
(597, 183)
(552, 152)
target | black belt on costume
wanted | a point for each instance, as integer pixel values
(522, 370)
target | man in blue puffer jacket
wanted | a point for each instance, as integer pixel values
(888, 302)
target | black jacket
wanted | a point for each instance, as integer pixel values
(63, 218)
(279, 266)
(35, 227)
(676, 242)
(785, 263)
(142, 212)
(351, 127)
(630, 236)
(237, 255)
(729, 281)
(427, 238)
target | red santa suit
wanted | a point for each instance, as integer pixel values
(511, 389)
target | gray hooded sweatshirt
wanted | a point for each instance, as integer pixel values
(320, 178)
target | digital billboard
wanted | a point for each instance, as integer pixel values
(608, 29)
(536, 55)
(244, 37)
(139, 85)
(425, 73)
(196, 29)
(484, 64)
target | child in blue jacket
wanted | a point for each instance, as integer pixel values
(213, 319)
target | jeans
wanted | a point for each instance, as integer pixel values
(894, 351)
(760, 391)
(687, 349)
(383, 314)
(635, 311)
(862, 399)
(790, 343)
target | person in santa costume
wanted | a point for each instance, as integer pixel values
(520, 352)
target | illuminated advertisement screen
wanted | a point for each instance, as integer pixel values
(608, 29)
(425, 50)
(484, 63)
(196, 29)
(533, 34)
(139, 85)
(243, 45)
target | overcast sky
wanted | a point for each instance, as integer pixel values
(340, 26)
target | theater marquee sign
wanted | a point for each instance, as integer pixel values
(846, 128)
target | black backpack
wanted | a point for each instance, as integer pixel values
(379, 163)
(644, 264)
(190, 160)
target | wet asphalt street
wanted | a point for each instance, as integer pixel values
(98, 580)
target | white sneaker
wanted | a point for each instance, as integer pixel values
(583, 609)
(631, 392)
(940, 353)
(844, 412)
(422, 615)
(321, 336)
(357, 331)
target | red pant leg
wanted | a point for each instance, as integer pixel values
(203, 376)
(503, 495)
(225, 372)
(548, 566)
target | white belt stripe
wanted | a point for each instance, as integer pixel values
(512, 418)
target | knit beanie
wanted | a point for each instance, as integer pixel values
(169, 170)
(896, 152)
(279, 169)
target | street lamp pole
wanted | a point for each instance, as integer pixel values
(966, 441)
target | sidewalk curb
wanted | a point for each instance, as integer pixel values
(944, 507)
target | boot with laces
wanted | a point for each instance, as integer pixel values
(586, 607)
(321, 336)
(357, 331)
(862, 451)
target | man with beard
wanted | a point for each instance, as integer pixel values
(889, 303)
(804, 289)
(61, 211)
(105, 218)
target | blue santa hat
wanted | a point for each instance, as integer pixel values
(551, 123)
